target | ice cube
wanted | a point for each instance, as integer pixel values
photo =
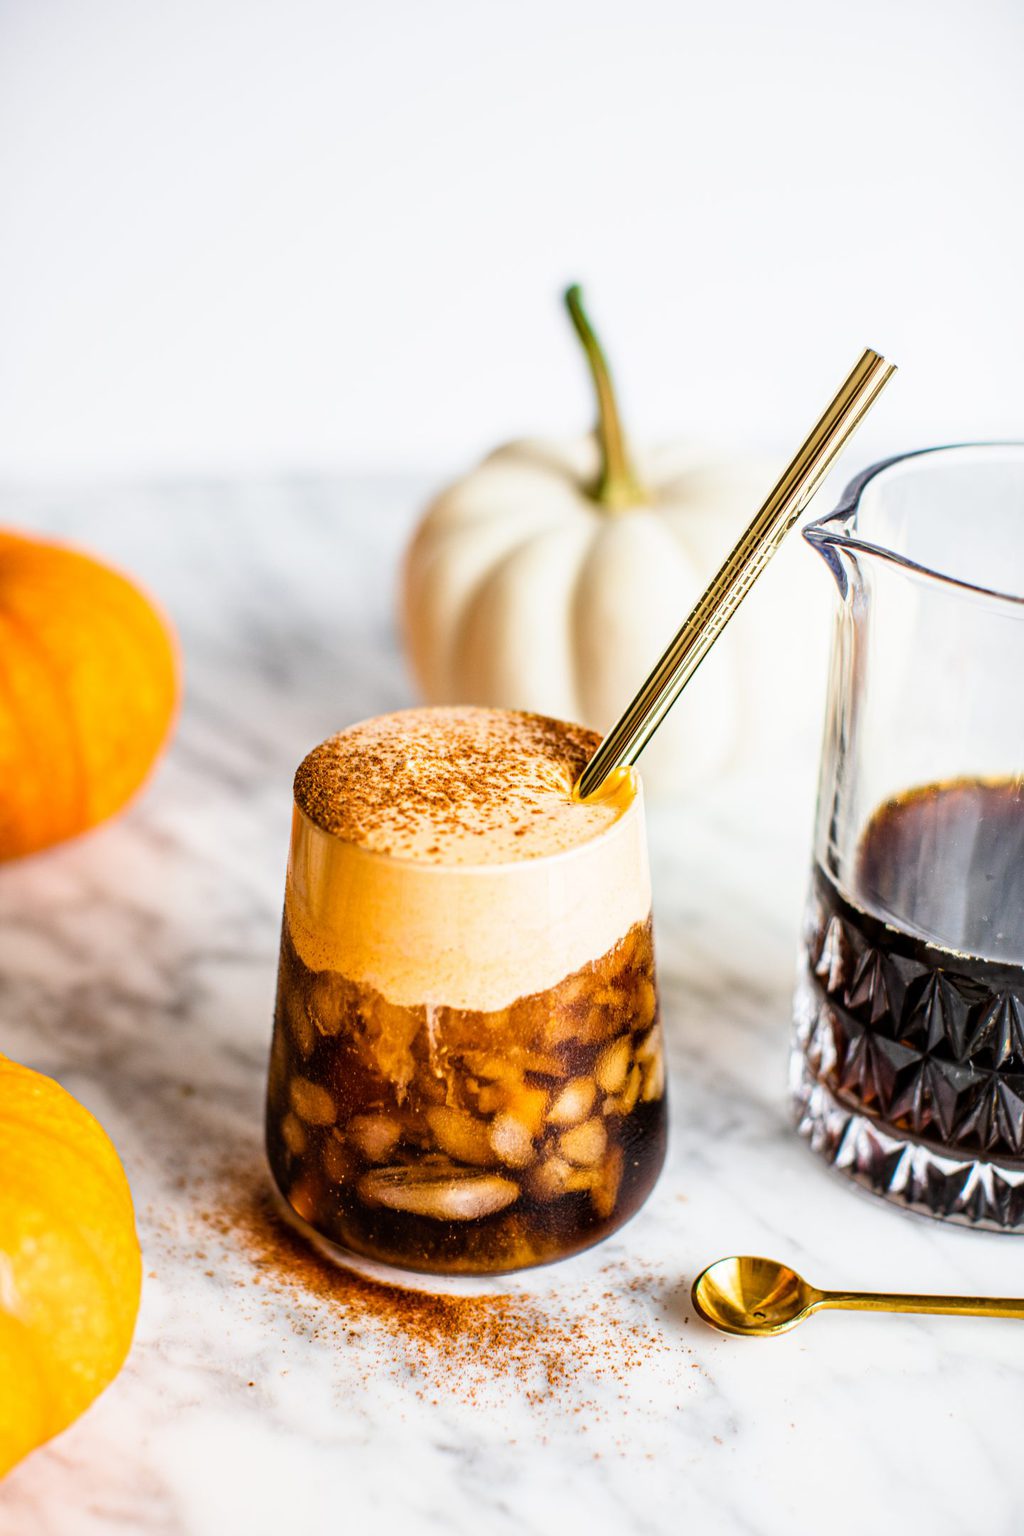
(604, 1191)
(625, 1102)
(549, 1180)
(442, 1192)
(375, 1135)
(311, 1102)
(612, 1065)
(574, 1103)
(585, 1144)
(329, 1001)
(654, 1079)
(460, 1135)
(512, 1141)
(339, 1160)
(293, 1134)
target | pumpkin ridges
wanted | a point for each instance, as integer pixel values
(68, 1132)
(13, 728)
(118, 1189)
(10, 545)
(23, 1418)
(523, 593)
(19, 1170)
(41, 569)
(34, 1191)
(126, 601)
(439, 613)
(123, 629)
(27, 1090)
(71, 1294)
(67, 763)
(78, 1287)
(98, 697)
(115, 768)
(74, 1270)
(27, 805)
(51, 1375)
(440, 608)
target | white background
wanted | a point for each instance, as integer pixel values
(304, 234)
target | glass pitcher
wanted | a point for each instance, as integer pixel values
(907, 1066)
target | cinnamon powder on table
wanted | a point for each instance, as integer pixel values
(451, 1346)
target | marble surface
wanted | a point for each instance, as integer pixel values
(262, 1393)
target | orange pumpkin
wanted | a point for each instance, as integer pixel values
(88, 691)
(70, 1268)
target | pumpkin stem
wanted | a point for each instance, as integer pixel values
(618, 486)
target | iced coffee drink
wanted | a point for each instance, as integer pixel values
(467, 1072)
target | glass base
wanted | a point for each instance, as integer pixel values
(389, 1274)
(971, 1192)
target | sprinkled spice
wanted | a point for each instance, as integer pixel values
(453, 785)
(546, 1350)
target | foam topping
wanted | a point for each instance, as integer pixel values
(454, 786)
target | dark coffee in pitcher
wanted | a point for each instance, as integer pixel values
(913, 1041)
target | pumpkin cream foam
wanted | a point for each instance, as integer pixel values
(477, 804)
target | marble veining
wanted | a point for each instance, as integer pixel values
(137, 965)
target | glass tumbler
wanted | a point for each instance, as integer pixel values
(908, 1049)
(466, 1075)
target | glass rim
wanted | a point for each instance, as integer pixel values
(832, 530)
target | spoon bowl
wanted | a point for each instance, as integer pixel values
(753, 1296)
(756, 1298)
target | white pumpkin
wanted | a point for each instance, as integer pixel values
(552, 577)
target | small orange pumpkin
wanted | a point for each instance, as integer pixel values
(88, 691)
(70, 1267)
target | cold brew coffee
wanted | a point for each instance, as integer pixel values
(467, 1072)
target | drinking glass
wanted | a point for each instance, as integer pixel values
(466, 1075)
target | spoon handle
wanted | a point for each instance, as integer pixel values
(881, 1301)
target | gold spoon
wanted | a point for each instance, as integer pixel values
(757, 1297)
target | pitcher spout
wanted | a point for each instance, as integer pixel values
(836, 537)
(830, 536)
(897, 515)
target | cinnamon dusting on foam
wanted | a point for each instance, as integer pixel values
(455, 786)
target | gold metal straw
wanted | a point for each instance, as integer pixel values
(713, 610)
